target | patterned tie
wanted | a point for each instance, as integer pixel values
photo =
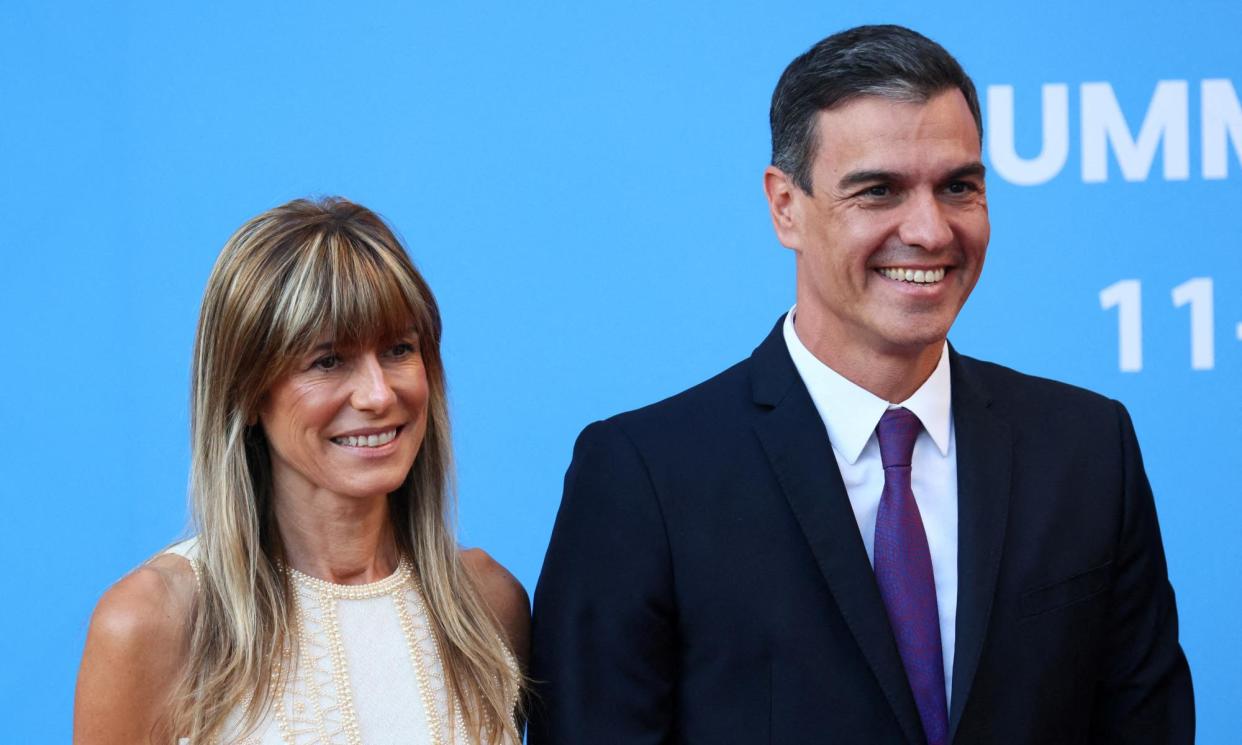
(903, 571)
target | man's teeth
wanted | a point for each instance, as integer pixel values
(367, 441)
(919, 276)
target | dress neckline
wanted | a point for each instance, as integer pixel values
(386, 586)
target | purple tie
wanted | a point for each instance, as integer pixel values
(903, 571)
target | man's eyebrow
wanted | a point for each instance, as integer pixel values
(858, 178)
(975, 170)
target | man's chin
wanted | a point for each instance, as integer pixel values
(912, 343)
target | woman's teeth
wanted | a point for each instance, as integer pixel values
(367, 441)
(920, 276)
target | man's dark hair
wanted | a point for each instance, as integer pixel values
(888, 61)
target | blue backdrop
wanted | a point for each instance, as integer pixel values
(581, 185)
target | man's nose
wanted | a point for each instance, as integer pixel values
(371, 391)
(924, 223)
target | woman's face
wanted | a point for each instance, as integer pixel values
(347, 423)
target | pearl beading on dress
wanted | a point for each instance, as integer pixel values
(420, 670)
(306, 708)
(332, 716)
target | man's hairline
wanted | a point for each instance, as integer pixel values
(902, 94)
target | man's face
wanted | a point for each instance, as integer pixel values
(893, 239)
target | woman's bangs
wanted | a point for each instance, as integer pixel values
(365, 298)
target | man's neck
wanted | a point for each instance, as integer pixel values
(893, 374)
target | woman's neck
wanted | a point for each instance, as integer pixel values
(344, 540)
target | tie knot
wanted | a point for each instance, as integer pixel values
(897, 431)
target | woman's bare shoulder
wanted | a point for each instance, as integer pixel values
(504, 595)
(135, 646)
(149, 605)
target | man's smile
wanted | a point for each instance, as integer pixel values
(917, 276)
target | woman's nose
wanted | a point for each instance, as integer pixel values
(371, 391)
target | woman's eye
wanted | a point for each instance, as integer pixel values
(327, 362)
(403, 349)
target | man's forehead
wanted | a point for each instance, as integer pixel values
(880, 133)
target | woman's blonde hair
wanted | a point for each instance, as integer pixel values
(285, 280)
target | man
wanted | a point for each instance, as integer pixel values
(858, 535)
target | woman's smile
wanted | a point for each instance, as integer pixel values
(367, 439)
(348, 422)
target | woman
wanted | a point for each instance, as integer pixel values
(324, 599)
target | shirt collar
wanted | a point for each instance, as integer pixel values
(851, 412)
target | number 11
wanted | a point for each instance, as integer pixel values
(1126, 296)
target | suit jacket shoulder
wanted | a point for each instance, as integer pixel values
(1011, 385)
(711, 403)
(1035, 406)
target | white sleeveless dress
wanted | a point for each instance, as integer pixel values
(368, 669)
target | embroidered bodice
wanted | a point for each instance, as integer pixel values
(367, 668)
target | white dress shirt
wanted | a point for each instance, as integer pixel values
(850, 415)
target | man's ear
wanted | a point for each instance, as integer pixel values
(783, 204)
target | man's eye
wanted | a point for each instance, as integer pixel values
(961, 187)
(877, 191)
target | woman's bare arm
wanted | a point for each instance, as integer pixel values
(135, 649)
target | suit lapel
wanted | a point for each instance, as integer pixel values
(984, 456)
(797, 447)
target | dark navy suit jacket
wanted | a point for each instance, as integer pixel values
(706, 582)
